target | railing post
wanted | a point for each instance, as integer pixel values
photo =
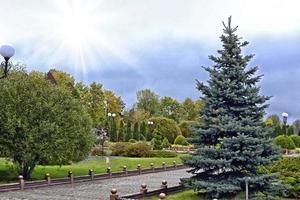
(91, 173)
(174, 164)
(164, 184)
(48, 179)
(71, 176)
(108, 170)
(162, 196)
(139, 169)
(164, 166)
(113, 195)
(152, 167)
(22, 183)
(125, 170)
(143, 189)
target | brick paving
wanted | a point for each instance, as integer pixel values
(97, 190)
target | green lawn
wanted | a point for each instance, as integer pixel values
(186, 195)
(7, 174)
(191, 195)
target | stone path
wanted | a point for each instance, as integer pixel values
(97, 190)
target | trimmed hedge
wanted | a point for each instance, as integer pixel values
(284, 142)
(139, 149)
(181, 140)
(296, 140)
(163, 154)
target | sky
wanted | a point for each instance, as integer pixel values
(129, 45)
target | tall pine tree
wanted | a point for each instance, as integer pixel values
(143, 131)
(128, 135)
(232, 142)
(121, 135)
(136, 132)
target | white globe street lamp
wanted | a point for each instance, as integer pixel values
(284, 117)
(7, 52)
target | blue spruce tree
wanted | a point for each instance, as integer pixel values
(232, 142)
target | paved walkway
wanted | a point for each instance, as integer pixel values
(97, 190)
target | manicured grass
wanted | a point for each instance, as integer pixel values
(191, 195)
(186, 195)
(7, 174)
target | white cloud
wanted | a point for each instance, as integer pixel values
(119, 25)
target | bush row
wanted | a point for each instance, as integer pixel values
(139, 149)
(288, 142)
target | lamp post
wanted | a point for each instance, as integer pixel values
(7, 52)
(284, 119)
(101, 135)
(111, 117)
(150, 124)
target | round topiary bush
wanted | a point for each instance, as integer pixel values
(296, 140)
(284, 142)
(167, 127)
(181, 140)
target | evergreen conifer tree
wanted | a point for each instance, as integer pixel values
(143, 130)
(232, 142)
(121, 135)
(157, 139)
(128, 132)
(136, 133)
(114, 131)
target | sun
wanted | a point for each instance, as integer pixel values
(76, 26)
(80, 36)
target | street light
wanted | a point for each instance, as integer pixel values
(150, 123)
(101, 135)
(284, 117)
(7, 52)
(111, 117)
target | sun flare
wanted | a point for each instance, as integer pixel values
(76, 26)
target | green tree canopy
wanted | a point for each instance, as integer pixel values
(191, 109)
(41, 123)
(186, 128)
(92, 97)
(170, 108)
(273, 120)
(148, 101)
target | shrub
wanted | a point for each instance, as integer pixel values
(132, 141)
(168, 127)
(296, 140)
(163, 154)
(289, 171)
(139, 149)
(97, 151)
(181, 140)
(165, 143)
(284, 142)
(119, 149)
